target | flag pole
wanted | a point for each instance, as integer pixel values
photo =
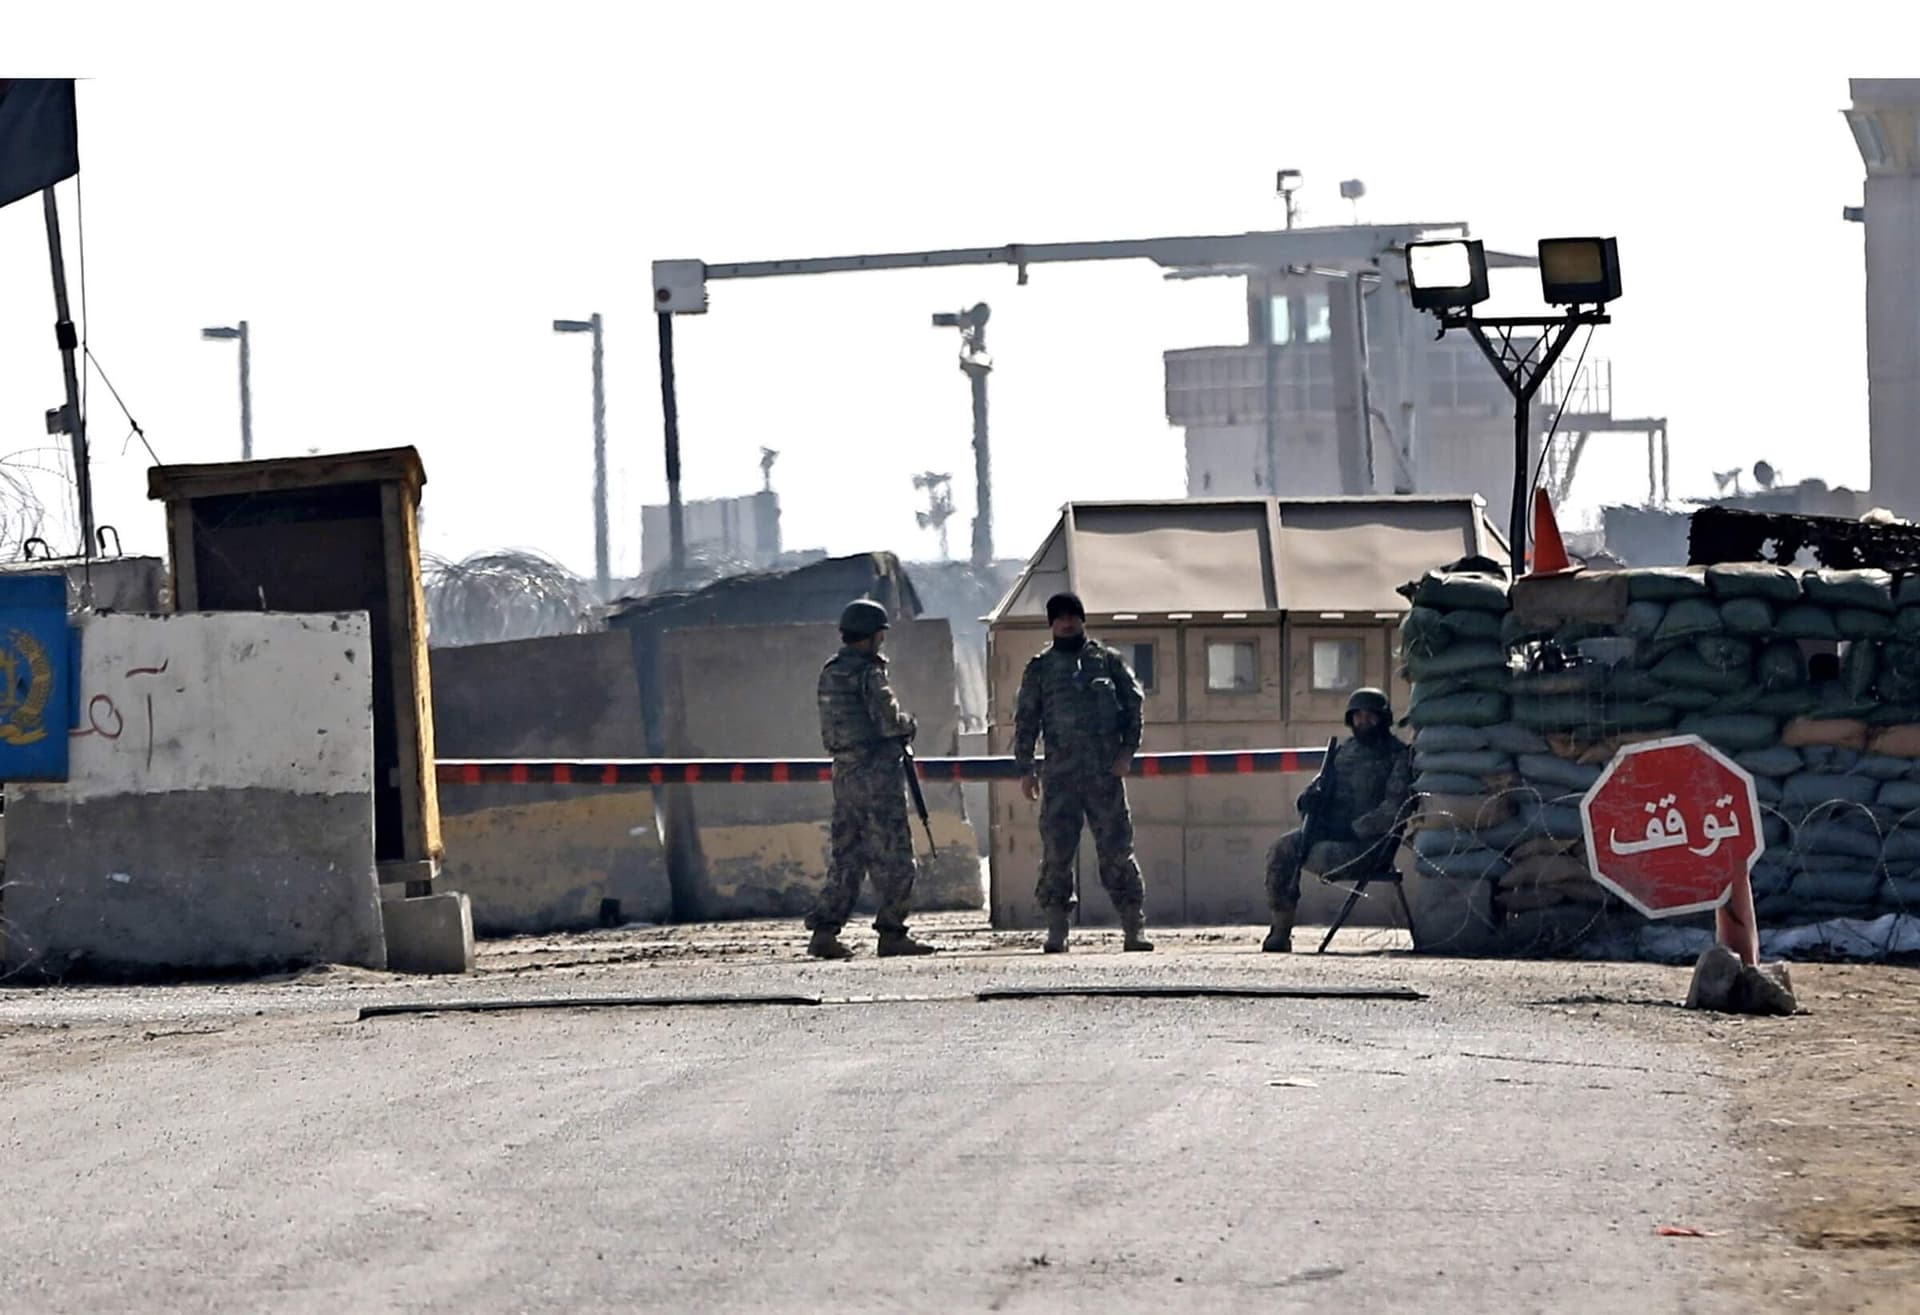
(69, 419)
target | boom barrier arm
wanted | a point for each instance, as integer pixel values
(736, 771)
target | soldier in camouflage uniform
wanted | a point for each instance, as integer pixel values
(1084, 699)
(864, 728)
(1373, 780)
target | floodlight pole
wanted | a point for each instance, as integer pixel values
(1522, 372)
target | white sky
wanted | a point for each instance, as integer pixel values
(401, 198)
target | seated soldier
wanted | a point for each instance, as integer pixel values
(1372, 780)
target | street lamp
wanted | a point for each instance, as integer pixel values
(231, 333)
(601, 572)
(976, 365)
(1287, 183)
(1448, 279)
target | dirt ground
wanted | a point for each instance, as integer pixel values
(1826, 1104)
(1832, 1125)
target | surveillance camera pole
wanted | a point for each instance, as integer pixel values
(1522, 369)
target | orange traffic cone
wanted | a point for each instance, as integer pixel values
(1549, 549)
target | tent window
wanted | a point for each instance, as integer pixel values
(1232, 666)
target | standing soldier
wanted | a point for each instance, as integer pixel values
(1372, 782)
(1084, 699)
(863, 727)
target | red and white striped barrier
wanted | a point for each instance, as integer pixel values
(780, 771)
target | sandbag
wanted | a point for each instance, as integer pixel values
(1852, 734)
(1535, 846)
(1465, 865)
(1828, 837)
(1753, 580)
(1869, 589)
(1812, 789)
(1509, 738)
(1686, 669)
(1571, 777)
(1896, 741)
(1858, 623)
(1569, 711)
(1833, 759)
(1457, 660)
(1903, 796)
(1475, 708)
(1424, 633)
(1684, 699)
(1900, 656)
(1602, 753)
(1789, 703)
(1901, 847)
(1450, 592)
(1732, 731)
(1548, 870)
(1883, 767)
(1449, 739)
(1689, 618)
(1666, 584)
(1468, 762)
(1767, 790)
(1557, 819)
(1746, 616)
(1834, 704)
(1781, 665)
(1467, 812)
(1859, 669)
(1741, 700)
(1843, 888)
(1771, 875)
(1722, 653)
(1436, 841)
(1502, 836)
(1893, 714)
(1446, 783)
(1465, 625)
(1906, 590)
(1906, 622)
(1770, 760)
(1643, 620)
(1901, 893)
(1586, 678)
(1898, 687)
(1804, 621)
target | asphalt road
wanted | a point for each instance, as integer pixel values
(1495, 1146)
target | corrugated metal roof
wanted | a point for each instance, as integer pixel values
(1211, 555)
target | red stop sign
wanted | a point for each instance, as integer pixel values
(1670, 825)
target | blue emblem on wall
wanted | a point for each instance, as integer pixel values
(36, 678)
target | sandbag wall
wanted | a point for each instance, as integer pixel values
(1809, 680)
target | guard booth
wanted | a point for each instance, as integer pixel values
(1249, 622)
(333, 533)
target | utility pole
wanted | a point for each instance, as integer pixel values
(602, 573)
(976, 365)
(670, 413)
(68, 419)
(231, 333)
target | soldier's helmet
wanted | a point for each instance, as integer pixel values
(1369, 700)
(863, 617)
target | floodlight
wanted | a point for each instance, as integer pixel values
(1579, 271)
(1447, 276)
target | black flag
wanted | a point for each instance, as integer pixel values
(39, 136)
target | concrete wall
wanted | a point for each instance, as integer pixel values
(117, 584)
(750, 692)
(538, 858)
(219, 813)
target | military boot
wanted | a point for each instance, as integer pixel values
(1056, 932)
(828, 945)
(1133, 924)
(894, 943)
(1280, 935)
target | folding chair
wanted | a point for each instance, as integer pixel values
(1373, 868)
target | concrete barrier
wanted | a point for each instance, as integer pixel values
(540, 858)
(219, 811)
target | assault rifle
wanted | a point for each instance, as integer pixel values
(1315, 826)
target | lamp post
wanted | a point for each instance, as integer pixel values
(976, 365)
(1581, 274)
(601, 570)
(229, 333)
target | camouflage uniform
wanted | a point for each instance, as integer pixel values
(1087, 704)
(863, 727)
(1373, 779)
